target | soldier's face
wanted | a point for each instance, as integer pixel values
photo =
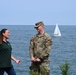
(39, 28)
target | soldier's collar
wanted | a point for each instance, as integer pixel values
(40, 35)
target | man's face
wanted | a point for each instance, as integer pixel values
(39, 28)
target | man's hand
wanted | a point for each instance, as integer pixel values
(33, 59)
(38, 60)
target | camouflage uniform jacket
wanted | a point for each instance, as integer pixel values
(40, 45)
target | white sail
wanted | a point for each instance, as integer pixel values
(57, 31)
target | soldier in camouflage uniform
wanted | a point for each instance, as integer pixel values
(40, 45)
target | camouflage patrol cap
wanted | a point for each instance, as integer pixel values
(39, 24)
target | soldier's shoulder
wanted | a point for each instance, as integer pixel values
(47, 35)
(34, 36)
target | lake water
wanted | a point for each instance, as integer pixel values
(63, 48)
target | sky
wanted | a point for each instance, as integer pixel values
(28, 12)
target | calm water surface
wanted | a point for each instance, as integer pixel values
(63, 48)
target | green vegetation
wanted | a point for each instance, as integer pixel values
(43, 72)
(65, 68)
(33, 72)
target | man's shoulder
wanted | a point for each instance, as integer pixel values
(46, 34)
(34, 36)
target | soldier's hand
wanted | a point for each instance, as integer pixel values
(33, 59)
(38, 59)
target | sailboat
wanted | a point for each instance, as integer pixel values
(57, 31)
